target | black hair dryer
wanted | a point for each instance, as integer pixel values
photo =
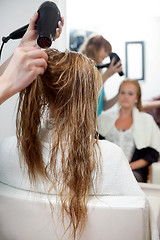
(47, 22)
(106, 65)
(49, 16)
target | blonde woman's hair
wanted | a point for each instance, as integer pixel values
(71, 83)
(93, 44)
(138, 87)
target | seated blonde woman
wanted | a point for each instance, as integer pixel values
(133, 130)
(57, 151)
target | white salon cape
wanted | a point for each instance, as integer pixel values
(145, 131)
(116, 179)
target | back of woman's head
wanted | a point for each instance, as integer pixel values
(93, 44)
(70, 80)
(71, 84)
(138, 88)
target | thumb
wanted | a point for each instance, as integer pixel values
(33, 21)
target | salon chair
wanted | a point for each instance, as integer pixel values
(27, 215)
(152, 191)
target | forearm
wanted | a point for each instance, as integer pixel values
(148, 105)
(112, 69)
(110, 103)
(5, 89)
(4, 66)
(138, 164)
(106, 75)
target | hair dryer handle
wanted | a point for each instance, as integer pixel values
(102, 65)
(16, 34)
(19, 32)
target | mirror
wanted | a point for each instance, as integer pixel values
(120, 22)
(134, 60)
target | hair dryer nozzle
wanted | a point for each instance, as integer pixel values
(44, 42)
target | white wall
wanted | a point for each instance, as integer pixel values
(14, 14)
(145, 29)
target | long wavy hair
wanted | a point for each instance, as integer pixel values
(139, 93)
(71, 84)
(93, 44)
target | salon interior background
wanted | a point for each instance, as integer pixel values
(118, 21)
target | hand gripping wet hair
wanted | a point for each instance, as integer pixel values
(70, 87)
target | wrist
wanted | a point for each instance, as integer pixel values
(107, 75)
(5, 89)
(132, 165)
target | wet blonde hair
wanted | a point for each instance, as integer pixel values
(72, 83)
(93, 44)
(139, 94)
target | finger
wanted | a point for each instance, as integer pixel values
(33, 21)
(38, 63)
(39, 71)
(33, 73)
(118, 64)
(61, 24)
(62, 21)
(57, 34)
(119, 68)
(30, 41)
(39, 54)
(59, 29)
(113, 61)
(36, 53)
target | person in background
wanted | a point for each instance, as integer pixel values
(58, 152)
(26, 63)
(133, 130)
(153, 107)
(98, 48)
